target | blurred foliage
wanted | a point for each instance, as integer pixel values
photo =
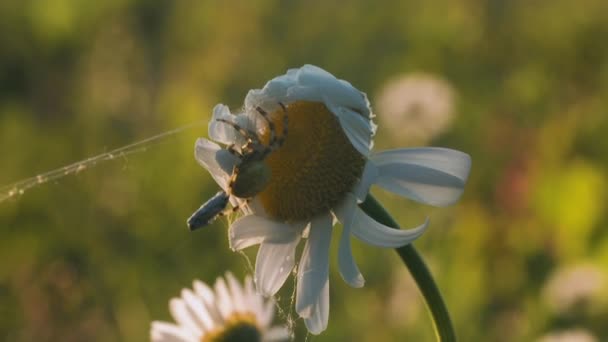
(96, 256)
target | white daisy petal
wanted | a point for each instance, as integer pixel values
(217, 161)
(223, 299)
(348, 267)
(252, 230)
(275, 334)
(180, 313)
(209, 299)
(375, 233)
(313, 270)
(274, 264)
(267, 313)
(167, 332)
(434, 176)
(220, 131)
(236, 291)
(317, 321)
(198, 310)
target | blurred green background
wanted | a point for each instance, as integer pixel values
(519, 85)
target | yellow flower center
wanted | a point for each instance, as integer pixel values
(314, 169)
(240, 327)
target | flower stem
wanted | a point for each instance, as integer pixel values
(444, 329)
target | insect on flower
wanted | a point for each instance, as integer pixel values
(249, 176)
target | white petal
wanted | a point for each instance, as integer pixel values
(180, 313)
(220, 131)
(253, 229)
(358, 129)
(253, 299)
(375, 233)
(217, 161)
(434, 176)
(198, 310)
(223, 299)
(370, 174)
(167, 332)
(276, 334)
(319, 315)
(209, 299)
(348, 267)
(311, 83)
(313, 270)
(236, 291)
(273, 265)
(267, 313)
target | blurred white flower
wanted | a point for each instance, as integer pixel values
(303, 143)
(572, 335)
(574, 285)
(227, 313)
(415, 108)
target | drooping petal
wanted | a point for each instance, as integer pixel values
(375, 233)
(434, 176)
(253, 229)
(274, 264)
(317, 321)
(347, 265)
(313, 270)
(167, 332)
(216, 160)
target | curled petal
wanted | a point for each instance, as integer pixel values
(220, 131)
(311, 83)
(253, 229)
(216, 160)
(434, 176)
(375, 233)
(317, 321)
(274, 264)
(313, 270)
(347, 265)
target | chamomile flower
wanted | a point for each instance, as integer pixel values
(227, 313)
(303, 145)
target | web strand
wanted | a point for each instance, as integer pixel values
(20, 187)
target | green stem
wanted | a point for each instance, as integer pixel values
(413, 261)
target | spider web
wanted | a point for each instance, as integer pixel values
(20, 187)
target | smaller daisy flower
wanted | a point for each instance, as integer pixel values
(227, 313)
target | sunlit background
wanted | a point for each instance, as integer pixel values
(519, 85)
